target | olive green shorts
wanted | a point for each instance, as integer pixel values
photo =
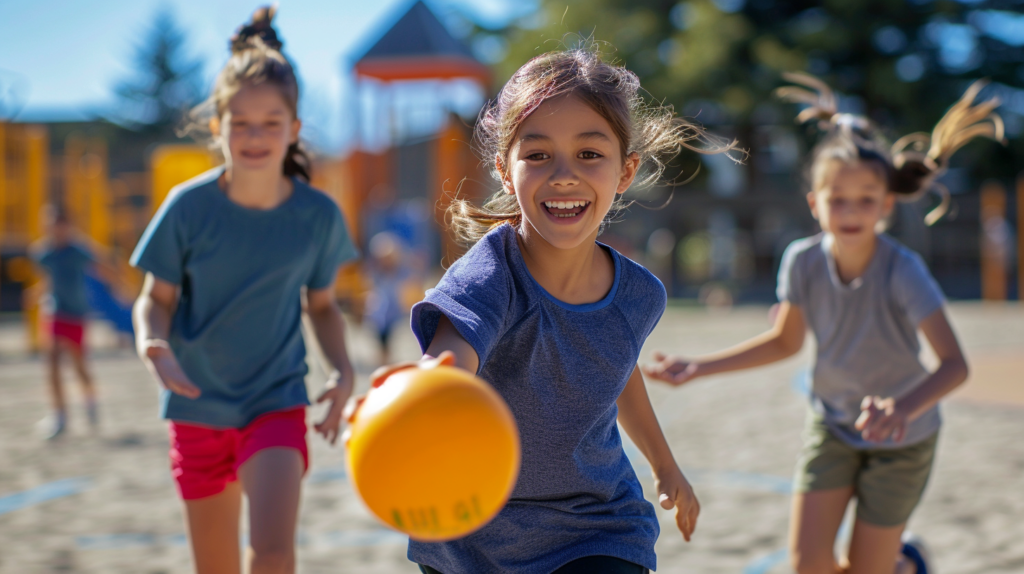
(888, 483)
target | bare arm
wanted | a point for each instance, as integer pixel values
(636, 415)
(782, 341)
(151, 316)
(885, 416)
(447, 338)
(329, 328)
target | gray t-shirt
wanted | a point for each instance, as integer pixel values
(866, 330)
(560, 368)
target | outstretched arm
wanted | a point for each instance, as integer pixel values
(882, 417)
(329, 328)
(636, 415)
(782, 341)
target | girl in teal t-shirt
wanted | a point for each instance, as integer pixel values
(232, 258)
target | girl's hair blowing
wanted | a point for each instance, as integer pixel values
(912, 164)
(256, 59)
(651, 131)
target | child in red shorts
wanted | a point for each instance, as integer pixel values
(230, 257)
(64, 261)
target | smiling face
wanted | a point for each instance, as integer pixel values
(566, 168)
(851, 201)
(256, 128)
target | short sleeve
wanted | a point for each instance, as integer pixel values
(790, 282)
(161, 249)
(475, 295)
(914, 289)
(337, 248)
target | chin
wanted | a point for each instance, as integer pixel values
(569, 237)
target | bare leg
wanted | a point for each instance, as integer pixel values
(88, 388)
(213, 531)
(814, 523)
(876, 549)
(56, 389)
(272, 479)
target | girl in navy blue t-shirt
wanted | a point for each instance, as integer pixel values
(555, 321)
(228, 258)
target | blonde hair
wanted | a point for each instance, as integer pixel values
(912, 164)
(651, 131)
(256, 59)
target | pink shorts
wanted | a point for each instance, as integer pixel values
(67, 329)
(204, 459)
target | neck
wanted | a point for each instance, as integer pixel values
(852, 260)
(580, 275)
(256, 189)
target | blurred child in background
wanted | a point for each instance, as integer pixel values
(229, 257)
(64, 259)
(873, 427)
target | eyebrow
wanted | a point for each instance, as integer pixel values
(582, 136)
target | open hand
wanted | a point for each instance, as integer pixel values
(674, 491)
(160, 359)
(881, 418)
(336, 393)
(672, 370)
(380, 375)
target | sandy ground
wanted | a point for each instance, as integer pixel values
(105, 503)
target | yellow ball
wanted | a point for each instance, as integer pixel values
(434, 452)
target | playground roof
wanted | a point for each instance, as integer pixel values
(419, 47)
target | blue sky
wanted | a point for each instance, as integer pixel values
(70, 55)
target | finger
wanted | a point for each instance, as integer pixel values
(330, 390)
(659, 356)
(666, 501)
(378, 377)
(866, 403)
(446, 358)
(183, 388)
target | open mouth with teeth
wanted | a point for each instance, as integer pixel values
(566, 209)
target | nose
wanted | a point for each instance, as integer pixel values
(563, 175)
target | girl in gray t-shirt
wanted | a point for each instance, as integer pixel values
(874, 420)
(555, 322)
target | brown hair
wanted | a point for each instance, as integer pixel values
(912, 164)
(651, 131)
(256, 58)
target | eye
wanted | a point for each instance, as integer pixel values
(538, 156)
(588, 154)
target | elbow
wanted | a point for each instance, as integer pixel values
(961, 370)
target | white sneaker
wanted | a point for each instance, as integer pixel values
(915, 550)
(52, 426)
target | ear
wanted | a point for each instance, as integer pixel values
(629, 171)
(888, 204)
(215, 126)
(296, 126)
(812, 202)
(506, 181)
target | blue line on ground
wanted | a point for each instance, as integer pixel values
(336, 539)
(42, 493)
(328, 474)
(767, 562)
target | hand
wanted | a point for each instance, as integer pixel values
(336, 393)
(675, 491)
(881, 418)
(380, 375)
(161, 362)
(672, 370)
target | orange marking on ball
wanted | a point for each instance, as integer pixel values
(434, 452)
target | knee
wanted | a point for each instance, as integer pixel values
(272, 560)
(812, 563)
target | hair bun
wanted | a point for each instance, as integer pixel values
(911, 173)
(259, 27)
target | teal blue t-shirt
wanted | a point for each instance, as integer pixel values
(66, 266)
(237, 328)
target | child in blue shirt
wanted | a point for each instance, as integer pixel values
(232, 258)
(65, 261)
(872, 430)
(555, 321)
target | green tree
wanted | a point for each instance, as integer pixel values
(903, 62)
(165, 83)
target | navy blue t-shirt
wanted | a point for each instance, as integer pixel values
(560, 368)
(237, 329)
(67, 266)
